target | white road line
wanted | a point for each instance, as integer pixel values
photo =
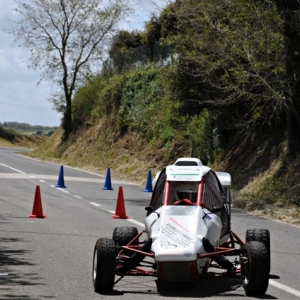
(130, 220)
(97, 174)
(12, 168)
(78, 197)
(136, 222)
(95, 204)
(41, 180)
(61, 189)
(284, 288)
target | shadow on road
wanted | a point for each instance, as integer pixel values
(209, 287)
(11, 257)
(10, 260)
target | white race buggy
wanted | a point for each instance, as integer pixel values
(188, 235)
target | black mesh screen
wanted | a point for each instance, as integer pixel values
(214, 197)
(158, 192)
(213, 194)
(186, 163)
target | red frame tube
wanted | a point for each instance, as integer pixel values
(167, 193)
(200, 193)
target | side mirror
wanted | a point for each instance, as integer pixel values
(216, 209)
(150, 210)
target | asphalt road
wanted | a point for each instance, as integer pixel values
(51, 258)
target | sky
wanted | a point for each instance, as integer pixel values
(21, 99)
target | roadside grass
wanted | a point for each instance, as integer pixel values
(274, 193)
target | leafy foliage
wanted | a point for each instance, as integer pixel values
(136, 101)
(121, 49)
(230, 62)
(202, 133)
(7, 134)
(226, 78)
(290, 14)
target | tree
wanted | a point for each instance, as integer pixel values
(290, 13)
(230, 62)
(67, 39)
(121, 50)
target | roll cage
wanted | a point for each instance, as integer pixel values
(211, 193)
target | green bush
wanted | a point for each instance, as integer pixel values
(201, 131)
(8, 134)
(86, 99)
(141, 100)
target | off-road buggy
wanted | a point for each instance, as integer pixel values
(187, 235)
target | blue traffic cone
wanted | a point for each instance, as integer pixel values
(60, 181)
(107, 184)
(148, 187)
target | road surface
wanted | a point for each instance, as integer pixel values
(51, 258)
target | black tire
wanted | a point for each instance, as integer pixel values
(104, 265)
(255, 273)
(123, 235)
(261, 235)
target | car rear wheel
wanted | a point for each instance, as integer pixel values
(255, 273)
(261, 235)
(123, 235)
(104, 265)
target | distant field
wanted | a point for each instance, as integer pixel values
(31, 131)
(28, 129)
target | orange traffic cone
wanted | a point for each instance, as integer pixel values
(120, 212)
(37, 210)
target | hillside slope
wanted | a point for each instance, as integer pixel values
(95, 149)
(262, 184)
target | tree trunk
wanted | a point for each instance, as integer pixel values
(290, 11)
(67, 119)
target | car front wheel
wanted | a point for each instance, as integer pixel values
(255, 272)
(104, 265)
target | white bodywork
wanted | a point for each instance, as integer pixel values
(177, 231)
(225, 178)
